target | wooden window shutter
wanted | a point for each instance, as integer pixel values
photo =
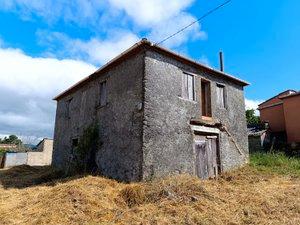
(188, 87)
(184, 86)
(221, 96)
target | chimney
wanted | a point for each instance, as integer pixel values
(221, 61)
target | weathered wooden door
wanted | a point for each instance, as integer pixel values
(206, 156)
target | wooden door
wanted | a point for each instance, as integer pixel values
(201, 159)
(206, 156)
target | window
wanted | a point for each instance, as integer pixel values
(103, 94)
(83, 104)
(68, 108)
(221, 96)
(188, 87)
(74, 143)
(205, 98)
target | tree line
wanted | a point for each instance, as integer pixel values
(11, 139)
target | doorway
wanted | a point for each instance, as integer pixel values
(207, 156)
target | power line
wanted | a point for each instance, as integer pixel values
(202, 17)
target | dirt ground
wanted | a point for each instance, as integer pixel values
(35, 196)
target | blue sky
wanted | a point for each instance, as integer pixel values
(45, 46)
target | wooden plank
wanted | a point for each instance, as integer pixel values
(190, 84)
(201, 162)
(205, 129)
(184, 86)
(209, 158)
(215, 157)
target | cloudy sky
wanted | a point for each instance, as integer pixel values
(46, 46)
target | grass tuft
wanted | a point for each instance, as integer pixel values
(276, 163)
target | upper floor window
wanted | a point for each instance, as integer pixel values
(68, 108)
(221, 96)
(103, 94)
(188, 87)
(205, 98)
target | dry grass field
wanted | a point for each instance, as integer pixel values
(260, 193)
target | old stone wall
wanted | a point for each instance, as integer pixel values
(120, 121)
(168, 138)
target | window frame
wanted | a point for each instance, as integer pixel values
(100, 103)
(185, 87)
(68, 107)
(208, 106)
(220, 85)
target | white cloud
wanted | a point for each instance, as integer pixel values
(28, 75)
(162, 30)
(27, 86)
(162, 18)
(156, 19)
(149, 13)
(95, 50)
(253, 104)
(77, 11)
(101, 51)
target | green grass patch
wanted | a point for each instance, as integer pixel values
(276, 163)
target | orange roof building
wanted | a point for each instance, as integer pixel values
(282, 112)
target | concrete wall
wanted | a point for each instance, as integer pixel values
(120, 121)
(168, 138)
(274, 115)
(291, 107)
(43, 155)
(15, 159)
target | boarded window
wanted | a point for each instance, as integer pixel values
(205, 98)
(68, 108)
(103, 94)
(221, 96)
(75, 143)
(83, 104)
(188, 87)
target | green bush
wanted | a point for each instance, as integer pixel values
(85, 152)
(2, 151)
(276, 163)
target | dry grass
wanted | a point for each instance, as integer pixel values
(244, 196)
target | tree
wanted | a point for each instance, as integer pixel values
(11, 139)
(252, 119)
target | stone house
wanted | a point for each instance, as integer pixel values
(159, 113)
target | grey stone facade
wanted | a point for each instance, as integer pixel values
(146, 126)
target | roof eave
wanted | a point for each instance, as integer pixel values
(242, 82)
(109, 63)
(149, 44)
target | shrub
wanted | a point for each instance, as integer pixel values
(84, 153)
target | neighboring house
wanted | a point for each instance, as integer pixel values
(159, 113)
(42, 156)
(282, 115)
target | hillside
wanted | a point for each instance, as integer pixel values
(251, 195)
